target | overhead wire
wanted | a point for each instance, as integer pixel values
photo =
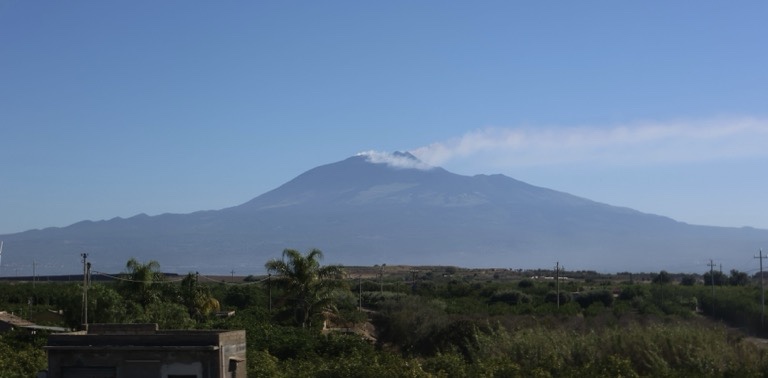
(118, 278)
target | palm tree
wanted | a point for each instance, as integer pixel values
(197, 298)
(305, 283)
(141, 280)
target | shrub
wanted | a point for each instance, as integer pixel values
(511, 297)
(603, 296)
(633, 291)
(552, 297)
(526, 283)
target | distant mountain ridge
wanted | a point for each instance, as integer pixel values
(393, 209)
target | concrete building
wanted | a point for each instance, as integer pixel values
(10, 322)
(143, 351)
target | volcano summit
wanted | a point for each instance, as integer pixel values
(377, 208)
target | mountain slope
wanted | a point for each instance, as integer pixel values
(362, 212)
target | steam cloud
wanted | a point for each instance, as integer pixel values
(394, 160)
(632, 144)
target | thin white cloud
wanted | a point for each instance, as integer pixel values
(394, 160)
(630, 144)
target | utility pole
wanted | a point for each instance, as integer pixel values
(762, 290)
(360, 292)
(414, 277)
(557, 280)
(269, 285)
(381, 278)
(712, 278)
(34, 264)
(85, 288)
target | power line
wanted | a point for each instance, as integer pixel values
(118, 278)
(233, 283)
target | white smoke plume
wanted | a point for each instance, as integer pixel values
(397, 160)
(630, 144)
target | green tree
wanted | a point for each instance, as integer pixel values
(105, 305)
(241, 297)
(21, 353)
(167, 315)
(141, 282)
(688, 280)
(738, 278)
(197, 298)
(662, 278)
(719, 278)
(306, 284)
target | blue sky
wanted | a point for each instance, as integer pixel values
(119, 108)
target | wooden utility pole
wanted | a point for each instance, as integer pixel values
(85, 288)
(712, 278)
(557, 280)
(381, 278)
(269, 285)
(360, 292)
(762, 290)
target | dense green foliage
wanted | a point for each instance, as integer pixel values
(436, 322)
(21, 354)
(307, 286)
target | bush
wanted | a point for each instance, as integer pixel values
(633, 291)
(21, 354)
(410, 323)
(603, 296)
(526, 283)
(510, 297)
(446, 365)
(552, 297)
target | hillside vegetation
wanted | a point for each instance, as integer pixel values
(428, 322)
